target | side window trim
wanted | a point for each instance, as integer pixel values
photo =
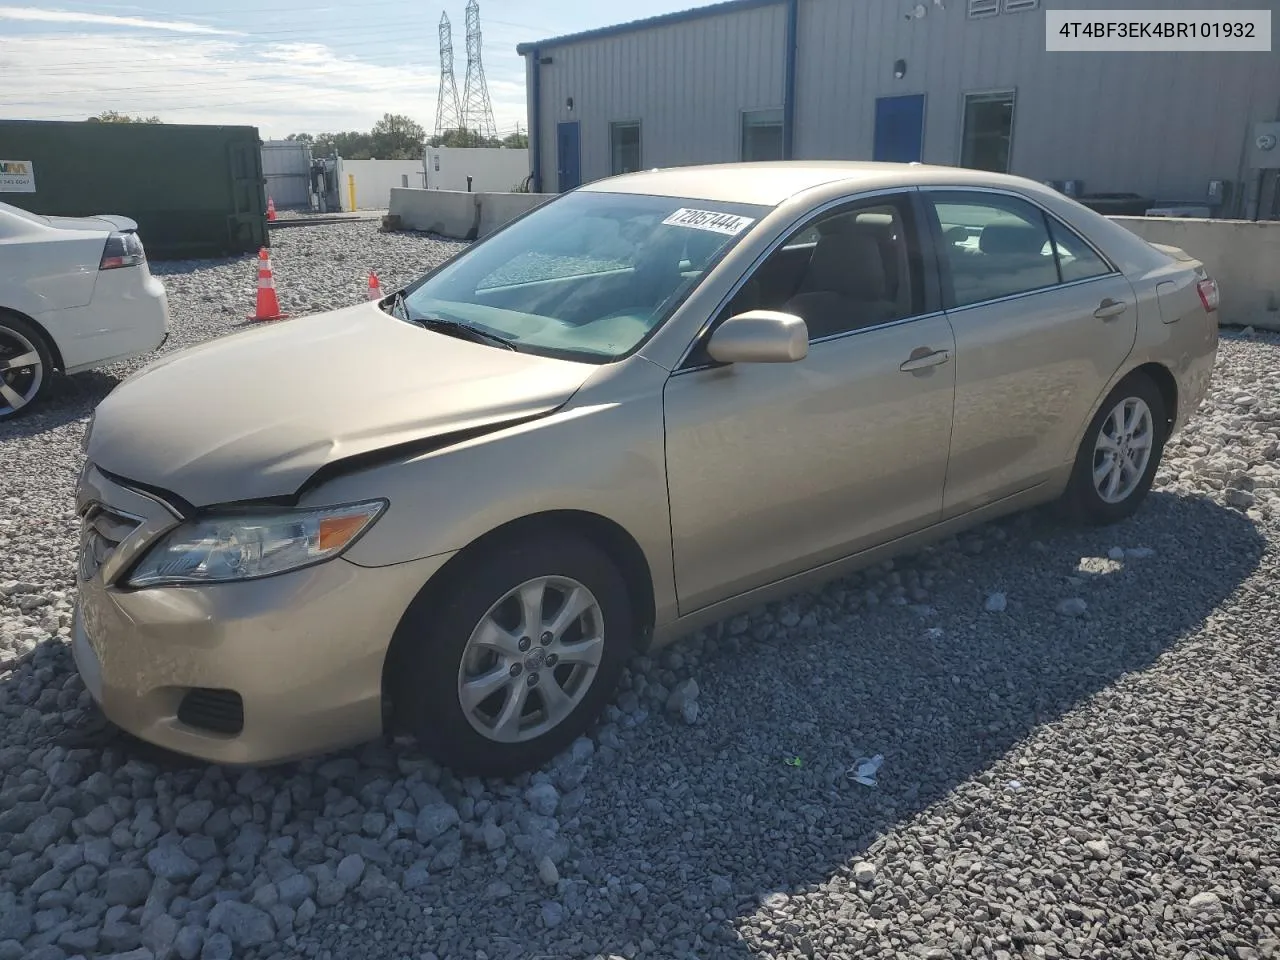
(909, 197)
(1053, 243)
(945, 268)
(928, 253)
(943, 265)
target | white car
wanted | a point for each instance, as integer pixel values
(75, 293)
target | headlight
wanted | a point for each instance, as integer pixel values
(248, 545)
(88, 432)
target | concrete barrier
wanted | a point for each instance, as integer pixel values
(1242, 255)
(449, 213)
(454, 213)
(498, 209)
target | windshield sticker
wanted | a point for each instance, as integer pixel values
(712, 220)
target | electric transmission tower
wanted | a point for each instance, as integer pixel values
(448, 110)
(477, 109)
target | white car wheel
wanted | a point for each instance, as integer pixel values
(25, 365)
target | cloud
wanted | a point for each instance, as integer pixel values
(280, 88)
(36, 15)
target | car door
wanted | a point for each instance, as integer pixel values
(774, 469)
(1042, 322)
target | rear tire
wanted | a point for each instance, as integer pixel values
(26, 364)
(490, 687)
(1119, 454)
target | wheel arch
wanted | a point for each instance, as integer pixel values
(49, 342)
(608, 535)
(1166, 383)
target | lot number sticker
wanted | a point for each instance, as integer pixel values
(17, 176)
(712, 220)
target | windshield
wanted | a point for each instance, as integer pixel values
(587, 276)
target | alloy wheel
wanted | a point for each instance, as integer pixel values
(531, 659)
(1123, 450)
(21, 371)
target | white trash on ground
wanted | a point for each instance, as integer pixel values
(864, 770)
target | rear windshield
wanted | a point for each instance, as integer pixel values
(589, 276)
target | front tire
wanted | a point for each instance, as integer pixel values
(511, 661)
(1119, 454)
(25, 365)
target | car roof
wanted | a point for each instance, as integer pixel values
(771, 183)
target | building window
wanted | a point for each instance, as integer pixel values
(988, 131)
(762, 135)
(1020, 6)
(624, 146)
(983, 8)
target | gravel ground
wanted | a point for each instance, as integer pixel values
(1078, 736)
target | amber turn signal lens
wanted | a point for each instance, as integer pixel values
(336, 532)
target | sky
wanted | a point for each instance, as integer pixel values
(284, 66)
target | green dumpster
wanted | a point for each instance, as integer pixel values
(195, 190)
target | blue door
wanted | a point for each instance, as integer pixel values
(899, 129)
(568, 159)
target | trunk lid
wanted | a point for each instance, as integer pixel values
(103, 221)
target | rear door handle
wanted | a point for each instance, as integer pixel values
(924, 361)
(1110, 308)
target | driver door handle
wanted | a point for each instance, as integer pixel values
(920, 361)
(1110, 308)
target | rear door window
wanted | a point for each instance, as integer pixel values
(994, 245)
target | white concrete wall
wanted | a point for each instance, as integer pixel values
(492, 169)
(375, 180)
(464, 216)
(1242, 255)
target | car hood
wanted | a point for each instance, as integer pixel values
(105, 222)
(253, 415)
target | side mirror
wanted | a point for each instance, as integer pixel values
(760, 336)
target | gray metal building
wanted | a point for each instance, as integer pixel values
(960, 82)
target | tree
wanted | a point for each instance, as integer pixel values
(397, 137)
(113, 116)
(351, 144)
(463, 138)
(394, 137)
(516, 141)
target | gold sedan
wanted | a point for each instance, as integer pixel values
(645, 405)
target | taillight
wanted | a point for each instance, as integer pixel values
(1208, 290)
(122, 250)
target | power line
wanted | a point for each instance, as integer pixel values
(71, 68)
(371, 37)
(230, 35)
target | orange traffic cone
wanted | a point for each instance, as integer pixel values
(268, 305)
(271, 210)
(375, 288)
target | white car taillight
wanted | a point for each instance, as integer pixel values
(122, 250)
(1208, 290)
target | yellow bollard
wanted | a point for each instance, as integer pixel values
(351, 189)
